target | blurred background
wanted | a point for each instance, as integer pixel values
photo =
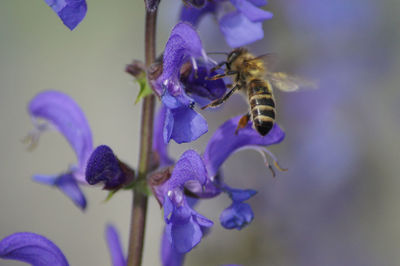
(337, 205)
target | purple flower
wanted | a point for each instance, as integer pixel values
(169, 255)
(114, 245)
(104, 166)
(239, 214)
(240, 27)
(181, 122)
(71, 12)
(63, 114)
(31, 248)
(183, 224)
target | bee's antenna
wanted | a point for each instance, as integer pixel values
(224, 53)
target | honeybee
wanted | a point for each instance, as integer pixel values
(251, 74)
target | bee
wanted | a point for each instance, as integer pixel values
(251, 74)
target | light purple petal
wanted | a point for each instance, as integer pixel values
(31, 248)
(114, 245)
(67, 184)
(186, 236)
(239, 30)
(159, 145)
(258, 2)
(71, 12)
(188, 125)
(183, 44)
(239, 195)
(252, 12)
(169, 255)
(224, 142)
(63, 112)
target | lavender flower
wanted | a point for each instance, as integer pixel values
(240, 27)
(63, 114)
(199, 176)
(31, 248)
(181, 122)
(71, 12)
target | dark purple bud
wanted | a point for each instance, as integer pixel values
(104, 166)
(151, 5)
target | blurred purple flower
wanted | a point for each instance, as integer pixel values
(71, 12)
(240, 27)
(31, 248)
(181, 123)
(114, 245)
(63, 114)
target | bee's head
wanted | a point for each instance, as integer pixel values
(232, 56)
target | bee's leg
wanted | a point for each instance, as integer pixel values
(219, 76)
(219, 65)
(220, 101)
(242, 122)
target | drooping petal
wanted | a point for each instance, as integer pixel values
(188, 125)
(159, 144)
(224, 142)
(252, 12)
(240, 195)
(236, 216)
(67, 184)
(239, 30)
(71, 12)
(114, 245)
(62, 112)
(31, 248)
(183, 44)
(169, 255)
(185, 235)
(103, 166)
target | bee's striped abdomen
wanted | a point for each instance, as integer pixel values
(262, 105)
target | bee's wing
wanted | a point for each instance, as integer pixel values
(288, 83)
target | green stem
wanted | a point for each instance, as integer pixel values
(139, 204)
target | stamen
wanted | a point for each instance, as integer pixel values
(32, 139)
(194, 63)
(265, 153)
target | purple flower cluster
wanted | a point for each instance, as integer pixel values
(182, 82)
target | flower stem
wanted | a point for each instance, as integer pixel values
(139, 204)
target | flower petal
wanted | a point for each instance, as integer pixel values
(239, 195)
(159, 144)
(237, 216)
(114, 245)
(189, 167)
(31, 248)
(67, 184)
(71, 12)
(224, 142)
(169, 255)
(188, 125)
(63, 112)
(186, 235)
(103, 166)
(184, 43)
(253, 13)
(193, 15)
(239, 30)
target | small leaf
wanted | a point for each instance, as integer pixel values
(110, 195)
(145, 88)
